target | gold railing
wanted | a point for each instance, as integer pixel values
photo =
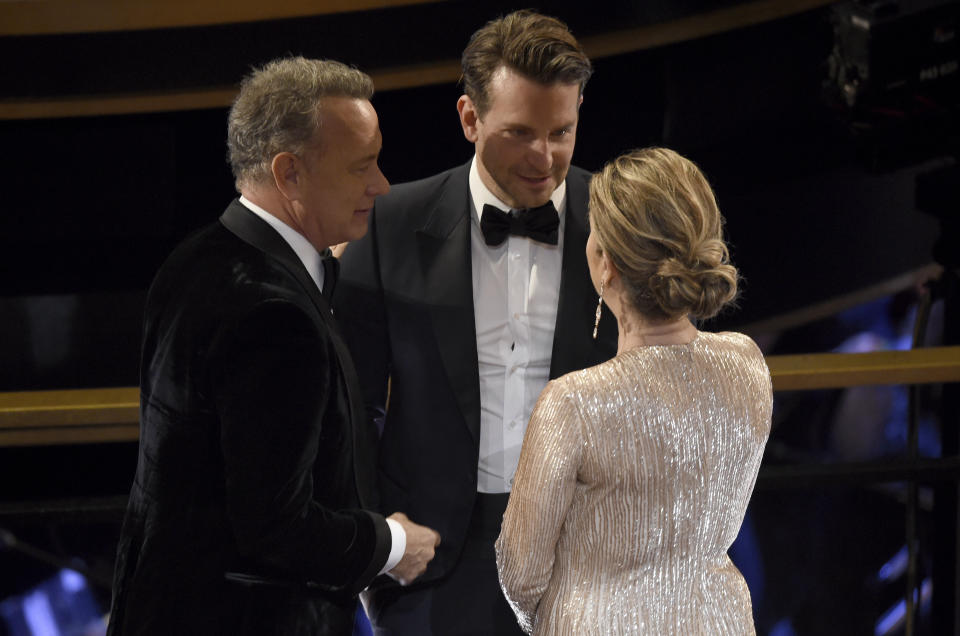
(79, 416)
(74, 416)
(841, 370)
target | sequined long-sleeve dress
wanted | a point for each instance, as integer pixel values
(633, 482)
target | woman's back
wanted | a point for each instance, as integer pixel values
(633, 483)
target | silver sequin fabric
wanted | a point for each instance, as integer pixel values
(633, 482)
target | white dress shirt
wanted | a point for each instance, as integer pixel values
(311, 259)
(516, 287)
(306, 252)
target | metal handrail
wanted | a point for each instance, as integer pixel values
(78, 416)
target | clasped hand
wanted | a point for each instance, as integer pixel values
(421, 545)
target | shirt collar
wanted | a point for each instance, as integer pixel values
(306, 252)
(480, 195)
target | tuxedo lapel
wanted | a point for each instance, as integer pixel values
(253, 230)
(444, 249)
(573, 345)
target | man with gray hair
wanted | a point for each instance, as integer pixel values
(251, 509)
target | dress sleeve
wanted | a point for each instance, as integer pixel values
(542, 490)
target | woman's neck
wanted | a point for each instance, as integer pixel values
(635, 332)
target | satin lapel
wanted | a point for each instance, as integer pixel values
(573, 345)
(444, 247)
(258, 233)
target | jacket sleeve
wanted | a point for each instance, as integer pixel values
(271, 376)
(542, 490)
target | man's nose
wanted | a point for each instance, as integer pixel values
(380, 186)
(541, 155)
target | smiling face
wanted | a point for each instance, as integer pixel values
(338, 177)
(525, 140)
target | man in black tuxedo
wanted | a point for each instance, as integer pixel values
(467, 296)
(251, 510)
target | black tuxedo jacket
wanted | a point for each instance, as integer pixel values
(256, 462)
(405, 303)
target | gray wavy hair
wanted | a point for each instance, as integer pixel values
(278, 110)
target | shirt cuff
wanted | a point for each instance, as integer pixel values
(398, 546)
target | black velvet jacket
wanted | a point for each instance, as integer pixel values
(249, 510)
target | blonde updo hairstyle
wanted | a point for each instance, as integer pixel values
(655, 216)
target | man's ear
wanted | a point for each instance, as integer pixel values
(469, 118)
(286, 174)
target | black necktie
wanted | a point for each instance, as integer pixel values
(539, 224)
(331, 270)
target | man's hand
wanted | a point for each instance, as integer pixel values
(337, 250)
(421, 542)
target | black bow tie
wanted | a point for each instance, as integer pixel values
(540, 224)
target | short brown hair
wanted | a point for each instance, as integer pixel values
(536, 46)
(656, 217)
(278, 110)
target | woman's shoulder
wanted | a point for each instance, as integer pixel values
(741, 350)
(732, 340)
(584, 382)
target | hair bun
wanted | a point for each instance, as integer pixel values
(656, 217)
(693, 289)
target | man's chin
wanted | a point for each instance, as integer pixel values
(358, 230)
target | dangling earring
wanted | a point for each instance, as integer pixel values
(596, 322)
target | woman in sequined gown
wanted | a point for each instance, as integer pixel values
(635, 474)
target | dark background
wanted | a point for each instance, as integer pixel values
(816, 207)
(820, 198)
